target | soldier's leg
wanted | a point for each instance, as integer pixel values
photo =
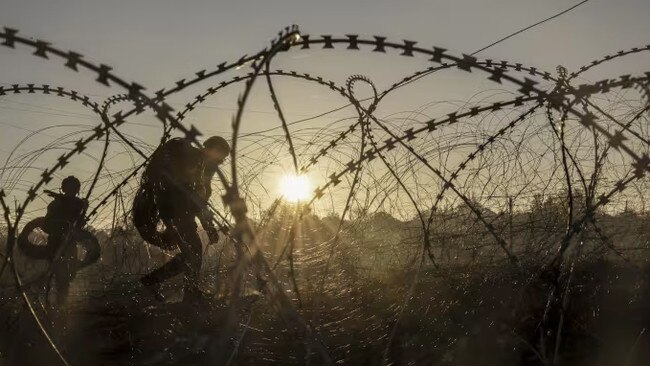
(192, 250)
(65, 268)
(172, 268)
(54, 241)
(62, 277)
(168, 270)
(176, 265)
(191, 247)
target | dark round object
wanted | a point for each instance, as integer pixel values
(80, 237)
(217, 143)
(30, 249)
(71, 185)
(147, 220)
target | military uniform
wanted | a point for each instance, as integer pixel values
(179, 178)
(62, 215)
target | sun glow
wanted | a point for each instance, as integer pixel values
(295, 188)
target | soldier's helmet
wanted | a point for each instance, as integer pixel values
(70, 185)
(217, 143)
(216, 148)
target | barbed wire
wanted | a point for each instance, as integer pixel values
(406, 152)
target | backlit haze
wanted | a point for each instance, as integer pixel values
(157, 43)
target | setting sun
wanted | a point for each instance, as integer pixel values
(295, 188)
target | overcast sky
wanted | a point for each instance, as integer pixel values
(176, 35)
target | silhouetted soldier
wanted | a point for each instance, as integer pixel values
(63, 222)
(175, 189)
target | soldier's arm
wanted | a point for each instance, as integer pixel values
(51, 209)
(83, 205)
(203, 195)
(205, 217)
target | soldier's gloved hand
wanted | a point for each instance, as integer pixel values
(213, 234)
